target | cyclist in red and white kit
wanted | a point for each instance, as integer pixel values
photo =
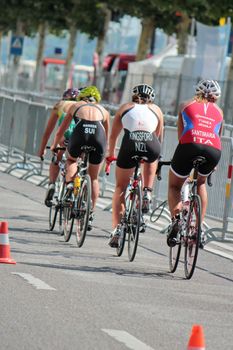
(200, 123)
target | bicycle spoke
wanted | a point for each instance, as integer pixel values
(192, 236)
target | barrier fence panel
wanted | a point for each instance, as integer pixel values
(6, 120)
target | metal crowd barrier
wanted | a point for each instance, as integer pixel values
(22, 124)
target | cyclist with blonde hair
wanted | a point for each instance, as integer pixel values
(200, 122)
(92, 125)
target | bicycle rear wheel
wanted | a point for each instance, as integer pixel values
(174, 255)
(83, 211)
(134, 221)
(52, 216)
(68, 220)
(192, 236)
(121, 240)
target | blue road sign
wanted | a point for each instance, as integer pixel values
(16, 45)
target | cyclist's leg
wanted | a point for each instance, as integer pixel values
(202, 191)
(93, 171)
(149, 170)
(118, 200)
(53, 174)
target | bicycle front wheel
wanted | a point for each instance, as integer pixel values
(134, 221)
(192, 236)
(83, 210)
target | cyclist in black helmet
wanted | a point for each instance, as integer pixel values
(142, 122)
(57, 115)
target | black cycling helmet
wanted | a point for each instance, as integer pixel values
(70, 94)
(145, 91)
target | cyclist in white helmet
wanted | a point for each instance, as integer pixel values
(142, 122)
(200, 123)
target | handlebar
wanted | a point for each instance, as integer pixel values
(109, 160)
(54, 158)
(160, 164)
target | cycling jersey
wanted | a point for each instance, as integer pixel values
(61, 115)
(202, 123)
(139, 123)
(88, 133)
(140, 117)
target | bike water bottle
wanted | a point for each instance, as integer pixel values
(77, 182)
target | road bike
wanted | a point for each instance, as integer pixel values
(77, 204)
(132, 218)
(189, 233)
(56, 209)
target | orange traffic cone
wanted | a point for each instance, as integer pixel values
(5, 244)
(196, 340)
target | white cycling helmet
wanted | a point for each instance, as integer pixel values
(144, 90)
(208, 89)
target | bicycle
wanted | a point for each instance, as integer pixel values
(189, 234)
(57, 202)
(77, 206)
(132, 217)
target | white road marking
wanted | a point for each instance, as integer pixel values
(129, 340)
(223, 245)
(218, 252)
(36, 282)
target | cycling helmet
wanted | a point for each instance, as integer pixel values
(91, 93)
(208, 89)
(144, 90)
(70, 94)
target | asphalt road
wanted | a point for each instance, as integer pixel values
(59, 296)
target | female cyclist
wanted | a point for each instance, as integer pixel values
(200, 123)
(142, 122)
(57, 115)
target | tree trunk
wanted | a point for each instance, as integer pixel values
(100, 46)
(182, 29)
(144, 44)
(37, 76)
(69, 57)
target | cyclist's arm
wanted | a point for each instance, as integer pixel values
(160, 128)
(106, 123)
(116, 129)
(180, 125)
(48, 131)
(61, 130)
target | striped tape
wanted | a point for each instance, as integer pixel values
(4, 239)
